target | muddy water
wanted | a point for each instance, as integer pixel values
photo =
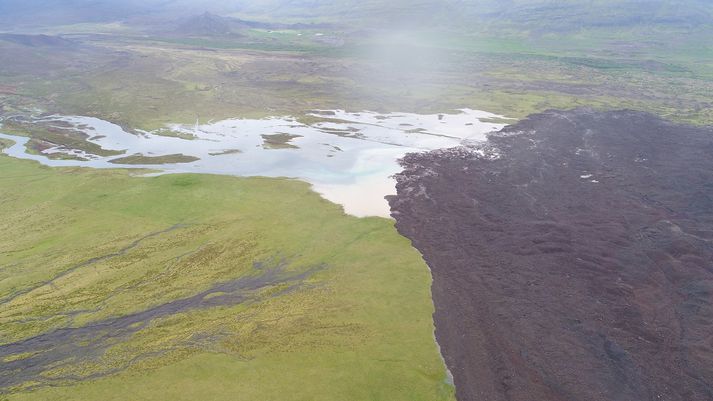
(349, 158)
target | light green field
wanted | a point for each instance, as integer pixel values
(346, 316)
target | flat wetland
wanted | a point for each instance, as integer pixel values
(340, 153)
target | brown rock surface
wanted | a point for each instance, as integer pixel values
(577, 265)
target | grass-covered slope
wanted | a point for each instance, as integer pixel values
(188, 287)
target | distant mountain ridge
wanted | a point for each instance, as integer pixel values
(208, 24)
(37, 40)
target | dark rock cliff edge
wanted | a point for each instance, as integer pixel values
(572, 257)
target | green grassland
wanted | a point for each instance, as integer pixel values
(341, 308)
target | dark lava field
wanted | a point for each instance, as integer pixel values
(572, 257)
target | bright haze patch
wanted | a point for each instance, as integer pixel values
(348, 157)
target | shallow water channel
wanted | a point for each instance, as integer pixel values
(348, 157)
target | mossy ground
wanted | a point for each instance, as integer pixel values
(359, 327)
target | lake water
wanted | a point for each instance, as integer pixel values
(349, 158)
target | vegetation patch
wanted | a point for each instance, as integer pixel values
(279, 141)
(165, 159)
(5, 143)
(46, 135)
(227, 152)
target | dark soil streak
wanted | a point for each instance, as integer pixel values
(576, 266)
(64, 273)
(74, 345)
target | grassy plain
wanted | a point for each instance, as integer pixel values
(206, 287)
